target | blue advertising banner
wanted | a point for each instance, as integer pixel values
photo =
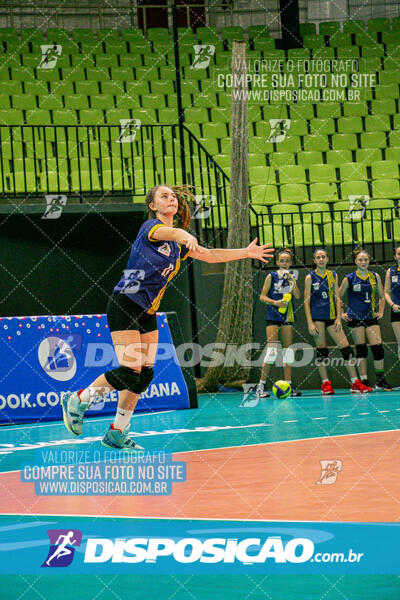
(47, 545)
(41, 357)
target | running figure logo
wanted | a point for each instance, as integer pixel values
(50, 55)
(61, 551)
(55, 205)
(279, 129)
(357, 207)
(202, 56)
(250, 399)
(329, 471)
(203, 206)
(128, 130)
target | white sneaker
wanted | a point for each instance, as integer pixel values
(261, 392)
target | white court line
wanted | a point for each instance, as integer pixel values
(59, 423)
(321, 437)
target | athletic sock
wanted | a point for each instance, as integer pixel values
(364, 377)
(325, 380)
(263, 381)
(87, 395)
(122, 418)
(353, 379)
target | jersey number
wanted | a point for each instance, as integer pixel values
(324, 295)
(367, 298)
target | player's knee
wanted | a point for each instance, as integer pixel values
(361, 351)
(322, 356)
(271, 355)
(347, 353)
(125, 378)
(377, 351)
(288, 356)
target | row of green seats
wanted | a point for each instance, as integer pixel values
(297, 193)
(351, 26)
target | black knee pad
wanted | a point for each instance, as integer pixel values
(146, 377)
(347, 352)
(377, 351)
(361, 351)
(322, 355)
(124, 378)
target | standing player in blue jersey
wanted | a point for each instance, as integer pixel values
(323, 311)
(280, 316)
(161, 244)
(366, 303)
(392, 295)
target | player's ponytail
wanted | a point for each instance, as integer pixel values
(359, 251)
(183, 194)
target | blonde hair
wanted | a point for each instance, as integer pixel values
(183, 193)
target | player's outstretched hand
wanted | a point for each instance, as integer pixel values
(262, 253)
(346, 317)
(192, 243)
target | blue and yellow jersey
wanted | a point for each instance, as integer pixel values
(362, 295)
(322, 296)
(151, 265)
(279, 286)
(394, 275)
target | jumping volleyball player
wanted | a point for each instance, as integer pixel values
(363, 287)
(280, 315)
(323, 309)
(392, 295)
(161, 244)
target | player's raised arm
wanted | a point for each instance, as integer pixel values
(222, 255)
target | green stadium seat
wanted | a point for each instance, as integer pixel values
(369, 65)
(314, 41)
(19, 74)
(66, 151)
(214, 130)
(106, 61)
(256, 160)
(24, 101)
(338, 157)
(385, 169)
(315, 142)
(272, 234)
(285, 214)
(379, 24)
(328, 110)
(50, 102)
(307, 29)
(320, 173)
(304, 234)
(355, 109)
(91, 117)
(108, 34)
(392, 154)
(323, 192)
(354, 188)
(388, 77)
(38, 116)
(339, 40)
(281, 159)
(396, 122)
(127, 102)
(265, 194)
(329, 27)
(294, 193)
(385, 188)
(322, 126)
(157, 34)
(196, 115)
(306, 159)
(131, 60)
(12, 116)
(105, 102)
(64, 117)
(97, 74)
(352, 52)
(59, 88)
(383, 92)
(299, 53)
(372, 232)
(297, 111)
(5, 102)
(373, 139)
(383, 107)
(291, 143)
(254, 31)
(377, 123)
(344, 141)
(298, 127)
(48, 74)
(391, 63)
(350, 125)
(372, 51)
(261, 175)
(132, 34)
(316, 213)
(121, 74)
(395, 227)
(366, 38)
(232, 33)
(76, 102)
(292, 174)
(338, 233)
(207, 33)
(391, 37)
(353, 26)
(380, 210)
(323, 53)
(353, 171)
